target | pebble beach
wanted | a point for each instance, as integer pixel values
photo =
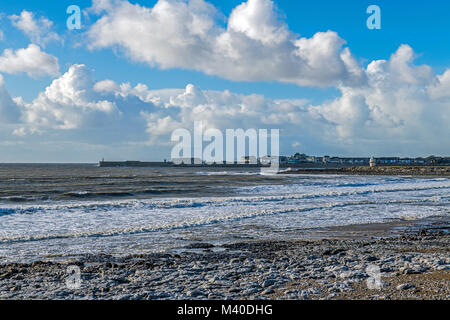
(388, 262)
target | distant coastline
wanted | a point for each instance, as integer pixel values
(385, 170)
(131, 164)
(294, 161)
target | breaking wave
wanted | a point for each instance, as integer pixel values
(214, 220)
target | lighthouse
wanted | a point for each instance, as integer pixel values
(372, 162)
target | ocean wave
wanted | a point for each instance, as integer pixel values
(227, 218)
(149, 204)
(226, 173)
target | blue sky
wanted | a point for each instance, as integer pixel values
(324, 121)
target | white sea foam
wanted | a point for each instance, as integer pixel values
(223, 218)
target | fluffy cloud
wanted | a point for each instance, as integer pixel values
(255, 45)
(68, 103)
(439, 89)
(38, 30)
(256, 19)
(402, 109)
(30, 60)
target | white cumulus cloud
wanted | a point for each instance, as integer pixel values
(403, 109)
(39, 31)
(30, 60)
(255, 45)
(69, 103)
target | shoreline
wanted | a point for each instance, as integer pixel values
(424, 171)
(412, 257)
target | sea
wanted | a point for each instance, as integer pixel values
(61, 211)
